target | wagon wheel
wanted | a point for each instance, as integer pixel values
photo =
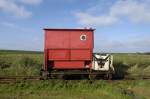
(53, 76)
(60, 76)
(92, 76)
(82, 76)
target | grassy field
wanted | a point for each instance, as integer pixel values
(20, 63)
(132, 64)
(59, 89)
(29, 63)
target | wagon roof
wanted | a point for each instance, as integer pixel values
(67, 29)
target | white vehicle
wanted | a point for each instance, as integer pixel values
(103, 64)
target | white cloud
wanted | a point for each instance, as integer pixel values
(85, 18)
(132, 45)
(31, 2)
(17, 7)
(8, 24)
(133, 10)
(11, 6)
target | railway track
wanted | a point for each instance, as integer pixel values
(14, 79)
(136, 77)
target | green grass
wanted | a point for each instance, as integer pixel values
(58, 89)
(132, 64)
(19, 52)
(20, 64)
(29, 63)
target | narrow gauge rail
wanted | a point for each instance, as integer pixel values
(14, 79)
(136, 77)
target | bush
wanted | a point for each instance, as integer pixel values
(4, 63)
(120, 69)
(27, 66)
(27, 61)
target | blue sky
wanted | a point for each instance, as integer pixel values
(121, 25)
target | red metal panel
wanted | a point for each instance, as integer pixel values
(56, 54)
(66, 49)
(69, 64)
(57, 40)
(68, 39)
(81, 55)
(77, 43)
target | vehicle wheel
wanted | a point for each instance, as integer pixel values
(108, 76)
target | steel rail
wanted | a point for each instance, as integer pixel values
(14, 79)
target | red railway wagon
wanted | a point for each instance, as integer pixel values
(68, 49)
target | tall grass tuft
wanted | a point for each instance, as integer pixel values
(20, 64)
